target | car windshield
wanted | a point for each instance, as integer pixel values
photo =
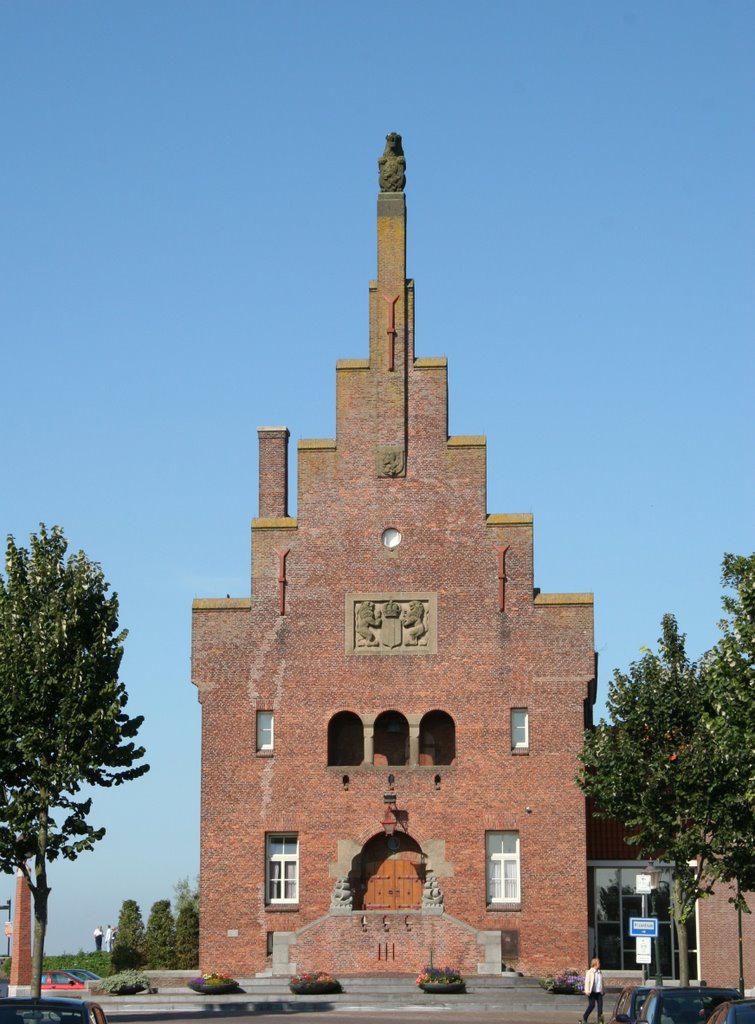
(691, 1009)
(39, 1015)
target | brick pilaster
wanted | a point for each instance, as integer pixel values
(390, 328)
(20, 972)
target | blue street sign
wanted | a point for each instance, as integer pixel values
(643, 926)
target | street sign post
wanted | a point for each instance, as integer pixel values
(641, 926)
(642, 950)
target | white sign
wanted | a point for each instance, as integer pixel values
(642, 884)
(642, 949)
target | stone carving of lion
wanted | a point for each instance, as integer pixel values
(414, 623)
(392, 165)
(367, 617)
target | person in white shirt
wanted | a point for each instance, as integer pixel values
(593, 991)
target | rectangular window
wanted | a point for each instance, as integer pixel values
(264, 730)
(502, 850)
(282, 869)
(520, 729)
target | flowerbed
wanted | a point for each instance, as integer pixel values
(314, 983)
(214, 984)
(440, 979)
(568, 982)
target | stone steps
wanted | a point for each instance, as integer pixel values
(272, 995)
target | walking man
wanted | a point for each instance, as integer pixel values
(593, 991)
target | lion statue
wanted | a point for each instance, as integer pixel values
(367, 617)
(414, 623)
(392, 165)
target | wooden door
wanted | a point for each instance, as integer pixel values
(393, 880)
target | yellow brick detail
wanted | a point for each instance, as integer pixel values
(564, 599)
(352, 364)
(431, 363)
(510, 519)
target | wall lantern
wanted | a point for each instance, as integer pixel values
(389, 825)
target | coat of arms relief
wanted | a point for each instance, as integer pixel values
(391, 623)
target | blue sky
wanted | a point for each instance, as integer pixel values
(188, 208)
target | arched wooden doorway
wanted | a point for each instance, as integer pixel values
(393, 873)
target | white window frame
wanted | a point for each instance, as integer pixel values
(282, 868)
(503, 869)
(265, 731)
(520, 729)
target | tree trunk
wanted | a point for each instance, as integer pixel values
(40, 893)
(680, 921)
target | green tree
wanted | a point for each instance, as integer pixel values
(729, 679)
(128, 952)
(160, 937)
(62, 720)
(186, 905)
(652, 768)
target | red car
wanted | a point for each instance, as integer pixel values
(60, 980)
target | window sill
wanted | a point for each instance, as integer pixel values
(265, 753)
(281, 908)
(503, 908)
(519, 751)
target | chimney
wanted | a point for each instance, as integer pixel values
(273, 472)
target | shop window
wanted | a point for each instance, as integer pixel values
(282, 869)
(520, 729)
(345, 739)
(264, 732)
(502, 851)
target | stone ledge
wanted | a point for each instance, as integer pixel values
(316, 444)
(470, 441)
(221, 603)
(510, 519)
(431, 363)
(288, 523)
(564, 599)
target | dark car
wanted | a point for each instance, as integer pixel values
(740, 1012)
(683, 1005)
(61, 981)
(83, 974)
(629, 1004)
(50, 1010)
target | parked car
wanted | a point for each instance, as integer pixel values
(629, 1004)
(83, 974)
(683, 1005)
(50, 1010)
(740, 1012)
(60, 980)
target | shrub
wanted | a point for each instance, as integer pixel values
(100, 963)
(313, 981)
(123, 983)
(160, 937)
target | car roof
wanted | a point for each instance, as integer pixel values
(47, 1001)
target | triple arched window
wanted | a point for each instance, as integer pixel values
(391, 739)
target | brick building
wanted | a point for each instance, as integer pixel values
(390, 724)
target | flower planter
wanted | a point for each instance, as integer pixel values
(214, 990)
(315, 988)
(437, 987)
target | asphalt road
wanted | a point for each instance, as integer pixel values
(346, 1016)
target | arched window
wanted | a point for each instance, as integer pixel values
(391, 739)
(437, 739)
(345, 739)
